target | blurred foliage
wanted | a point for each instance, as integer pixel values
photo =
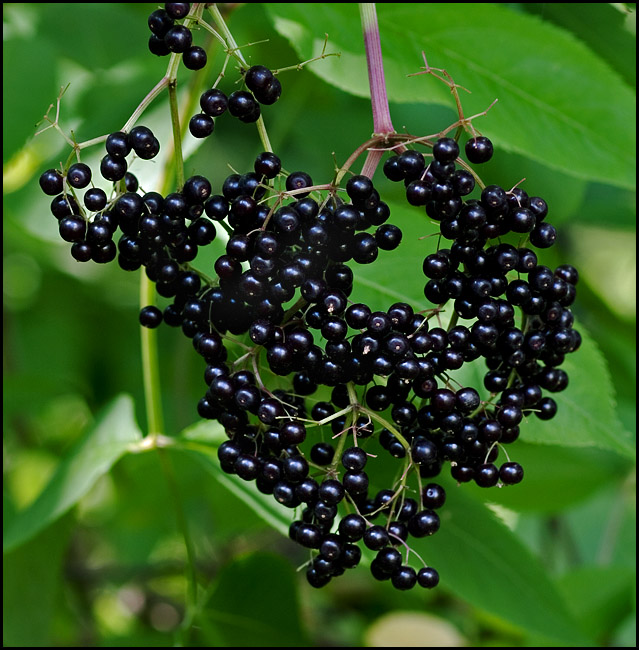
(93, 554)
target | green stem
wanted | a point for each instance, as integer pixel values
(352, 410)
(150, 365)
(234, 50)
(177, 133)
(191, 594)
(388, 425)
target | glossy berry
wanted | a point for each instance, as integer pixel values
(150, 316)
(241, 104)
(479, 150)
(270, 93)
(178, 39)
(267, 164)
(177, 10)
(214, 102)
(51, 182)
(257, 78)
(297, 181)
(445, 150)
(427, 577)
(79, 175)
(511, 473)
(194, 58)
(118, 145)
(404, 578)
(201, 125)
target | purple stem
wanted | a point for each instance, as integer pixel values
(382, 123)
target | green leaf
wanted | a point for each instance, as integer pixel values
(27, 90)
(83, 45)
(397, 275)
(31, 578)
(555, 477)
(264, 505)
(554, 93)
(603, 26)
(113, 433)
(480, 560)
(600, 597)
(586, 415)
(255, 604)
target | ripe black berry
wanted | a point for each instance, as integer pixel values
(427, 577)
(404, 578)
(511, 473)
(177, 10)
(51, 182)
(201, 125)
(479, 150)
(79, 175)
(194, 58)
(178, 39)
(214, 102)
(445, 150)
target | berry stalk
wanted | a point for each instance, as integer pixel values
(233, 49)
(382, 123)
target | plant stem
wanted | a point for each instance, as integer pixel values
(177, 133)
(233, 49)
(150, 366)
(382, 123)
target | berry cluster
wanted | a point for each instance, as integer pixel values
(167, 37)
(263, 88)
(310, 384)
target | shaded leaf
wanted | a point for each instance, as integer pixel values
(604, 26)
(27, 90)
(555, 477)
(263, 505)
(586, 414)
(482, 561)
(600, 597)
(31, 577)
(554, 93)
(265, 615)
(94, 456)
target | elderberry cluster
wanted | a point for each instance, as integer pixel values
(311, 385)
(167, 37)
(264, 88)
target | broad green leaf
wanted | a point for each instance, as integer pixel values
(114, 432)
(263, 505)
(608, 206)
(586, 414)
(31, 577)
(481, 561)
(397, 275)
(555, 95)
(555, 477)
(605, 27)
(28, 89)
(254, 604)
(600, 597)
(91, 49)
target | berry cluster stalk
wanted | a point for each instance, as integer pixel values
(382, 123)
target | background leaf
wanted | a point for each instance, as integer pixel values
(94, 456)
(265, 615)
(586, 409)
(31, 576)
(497, 573)
(545, 109)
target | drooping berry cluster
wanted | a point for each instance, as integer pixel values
(168, 37)
(309, 383)
(263, 88)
